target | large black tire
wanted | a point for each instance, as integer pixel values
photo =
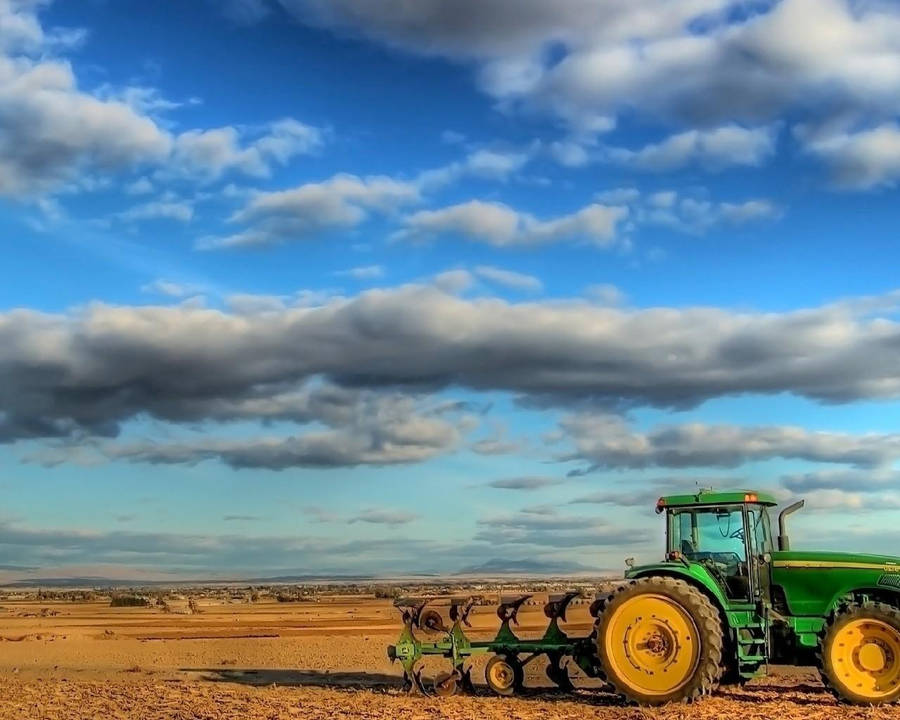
(843, 666)
(704, 640)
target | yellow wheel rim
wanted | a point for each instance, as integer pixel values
(865, 657)
(501, 675)
(652, 644)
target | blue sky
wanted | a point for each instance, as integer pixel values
(307, 286)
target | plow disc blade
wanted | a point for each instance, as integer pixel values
(430, 620)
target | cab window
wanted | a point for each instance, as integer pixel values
(714, 536)
(759, 524)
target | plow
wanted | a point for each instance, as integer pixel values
(504, 672)
(728, 599)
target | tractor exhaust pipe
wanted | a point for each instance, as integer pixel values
(784, 542)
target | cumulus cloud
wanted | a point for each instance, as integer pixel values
(342, 201)
(141, 186)
(861, 160)
(364, 272)
(50, 130)
(606, 294)
(364, 428)
(509, 278)
(497, 442)
(209, 154)
(454, 281)
(526, 482)
(169, 288)
(180, 211)
(703, 61)
(384, 517)
(850, 489)
(692, 214)
(499, 225)
(483, 163)
(606, 441)
(54, 133)
(92, 369)
(712, 149)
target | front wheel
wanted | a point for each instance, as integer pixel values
(659, 640)
(860, 654)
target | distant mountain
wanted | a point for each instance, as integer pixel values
(71, 582)
(500, 566)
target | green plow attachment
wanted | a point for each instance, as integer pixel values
(504, 672)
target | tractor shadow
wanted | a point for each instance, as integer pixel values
(379, 682)
(298, 678)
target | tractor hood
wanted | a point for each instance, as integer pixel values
(849, 561)
(814, 582)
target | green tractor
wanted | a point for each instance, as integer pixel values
(729, 599)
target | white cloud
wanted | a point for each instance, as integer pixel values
(209, 154)
(606, 441)
(862, 160)
(88, 371)
(618, 196)
(179, 211)
(570, 153)
(697, 60)
(500, 225)
(52, 131)
(606, 294)
(483, 163)
(343, 201)
(377, 516)
(509, 278)
(170, 288)
(453, 281)
(713, 149)
(694, 215)
(54, 134)
(141, 186)
(364, 272)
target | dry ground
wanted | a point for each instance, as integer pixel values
(298, 660)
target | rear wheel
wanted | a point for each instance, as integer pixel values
(860, 654)
(660, 640)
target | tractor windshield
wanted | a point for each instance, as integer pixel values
(713, 536)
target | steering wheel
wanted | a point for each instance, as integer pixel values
(737, 534)
(733, 559)
(723, 562)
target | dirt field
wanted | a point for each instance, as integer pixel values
(321, 659)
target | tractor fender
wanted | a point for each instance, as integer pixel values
(884, 594)
(696, 575)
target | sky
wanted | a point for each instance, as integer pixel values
(379, 287)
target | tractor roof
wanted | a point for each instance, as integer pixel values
(711, 497)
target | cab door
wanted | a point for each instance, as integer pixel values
(759, 546)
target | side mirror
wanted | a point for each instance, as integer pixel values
(784, 542)
(629, 562)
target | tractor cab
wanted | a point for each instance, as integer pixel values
(728, 533)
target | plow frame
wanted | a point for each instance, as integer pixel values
(456, 646)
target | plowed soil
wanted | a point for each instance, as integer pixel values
(304, 660)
